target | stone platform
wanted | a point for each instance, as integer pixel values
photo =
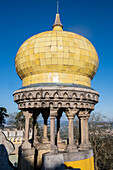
(51, 100)
(79, 160)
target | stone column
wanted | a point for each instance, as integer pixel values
(59, 140)
(45, 138)
(83, 132)
(87, 133)
(35, 140)
(26, 143)
(53, 147)
(71, 146)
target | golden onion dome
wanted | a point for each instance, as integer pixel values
(56, 56)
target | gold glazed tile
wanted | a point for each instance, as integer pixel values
(58, 56)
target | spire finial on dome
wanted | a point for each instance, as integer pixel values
(57, 6)
(57, 19)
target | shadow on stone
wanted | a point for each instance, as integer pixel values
(27, 159)
(5, 164)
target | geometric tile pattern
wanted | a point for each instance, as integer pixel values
(56, 56)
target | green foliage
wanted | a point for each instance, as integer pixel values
(3, 115)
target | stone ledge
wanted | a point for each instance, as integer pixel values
(53, 161)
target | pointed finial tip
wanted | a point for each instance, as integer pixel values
(57, 19)
(57, 7)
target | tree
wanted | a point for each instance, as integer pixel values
(102, 142)
(19, 121)
(11, 120)
(3, 115)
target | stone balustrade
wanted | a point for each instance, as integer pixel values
(16, 135)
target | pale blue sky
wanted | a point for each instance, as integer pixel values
(21, 19)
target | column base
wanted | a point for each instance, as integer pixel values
(59, 140)
(43, 146)
(72, 148)
(83, 147)
(53, 149)
(45, 140)
(35, 142)
(26, 145)
(27, 158)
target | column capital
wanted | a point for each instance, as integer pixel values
(27, 114)
(70, 113)
(53, 113)
(84, 113)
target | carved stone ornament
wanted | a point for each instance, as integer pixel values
(56, 97)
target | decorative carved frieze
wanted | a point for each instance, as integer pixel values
(57, 97)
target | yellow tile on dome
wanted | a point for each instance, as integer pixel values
(54, 60)
(31, 51)
(53, 48)
(33, 41)
(47, 55)
(54, 38)
(53, 33)
(36, 50)
(59, 34)
(27, 47)
(76, 57)
(53, 43)
(60, 60)
(66, 55)
(42, 55)
(70, 69)
(43, 68)
(37, 62)
(36, 45)
(42, 61)
(47, 43)
(54, 55)
(64, 68)
(48, 38)
(70, 62)
(48, 61)
(31, 57)
(82, 57)
(36, 56)
(65, 61)
(60, 43)
(66, 49)
(59, 38)
(59, 68)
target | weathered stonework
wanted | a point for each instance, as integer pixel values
(53, 101)
(6, 148)
(49, 100)
(56, 97)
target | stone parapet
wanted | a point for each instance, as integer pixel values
(58, 161)
(16, 135)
